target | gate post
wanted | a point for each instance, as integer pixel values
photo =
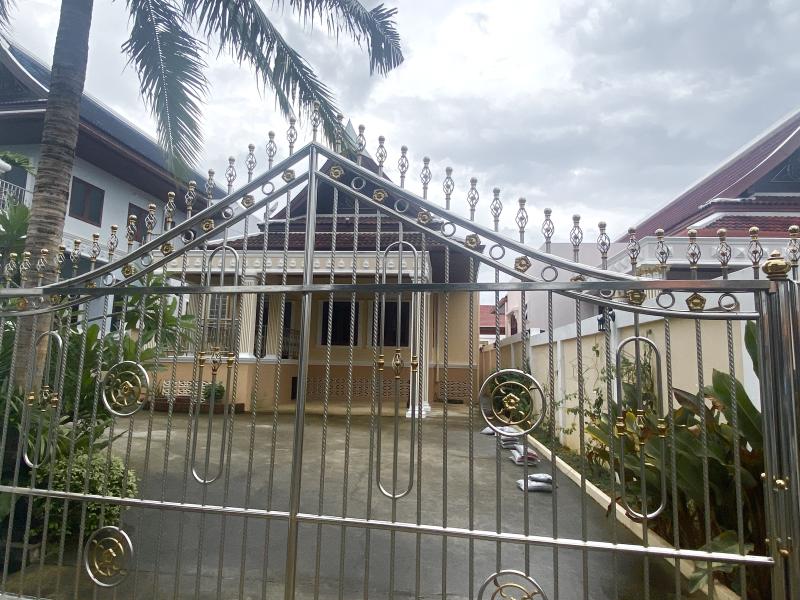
(779, 365)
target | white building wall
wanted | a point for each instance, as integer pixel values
(118, 194)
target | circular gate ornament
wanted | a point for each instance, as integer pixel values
(125, 388)
(511, 397)
(106, 555)
(511, 585)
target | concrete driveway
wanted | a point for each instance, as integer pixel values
(227, 557)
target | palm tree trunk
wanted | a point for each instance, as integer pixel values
(54, 170)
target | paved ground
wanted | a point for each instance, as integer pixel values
(232, 549)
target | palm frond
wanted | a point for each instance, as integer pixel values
(169, 63)
(242, 28)
(376, 28)
(5, 12)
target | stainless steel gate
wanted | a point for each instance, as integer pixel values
(286, 394)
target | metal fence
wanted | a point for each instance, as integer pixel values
(395, 479)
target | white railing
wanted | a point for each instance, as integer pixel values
(13, 194)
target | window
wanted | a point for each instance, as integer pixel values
(340, 330)
(512, 318)
(140, 214)
(390, 324)
(86, 202)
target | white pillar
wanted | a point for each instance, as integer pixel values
(247, 316)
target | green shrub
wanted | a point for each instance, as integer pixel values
(216, 388)
(104, 478)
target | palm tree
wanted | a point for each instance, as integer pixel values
(167, 43)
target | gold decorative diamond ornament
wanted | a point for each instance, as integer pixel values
(696, 302)
(472, 241)
(379, 195)
(522, 264)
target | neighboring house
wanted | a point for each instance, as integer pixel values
(759, 186)
(489, 318)
(444, 366)
(118, 169)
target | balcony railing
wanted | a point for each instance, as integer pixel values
(11, 193)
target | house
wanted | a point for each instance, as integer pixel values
(758, 186)
(119, 170)
(489, 321)
(346, 330)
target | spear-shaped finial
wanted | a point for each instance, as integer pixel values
(95, 251)
(548, 229)
(496, 207)
(191, 192)
(113, 242)
(291, 134)
(693, 253)
(230, 173)
(150, 221)
(130, 231)
(521, 220)
(42, 264)
(425, 176)
(576, 237)
(448, 186)
(169, 211)
(210, 185)
(272, 149)
(75, 257)
(381, 154)
(723, 251)
(250, 161)
(756, 251)
(11, 268)
(402, 165)
(662, 253)
(472, 197)
(603, 244)
(633, 248)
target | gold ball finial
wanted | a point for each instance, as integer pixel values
(692, 234)
(548, 212)
(776, 268)
(722, 233)
(754, 232)
(659, 233)
(794, 231)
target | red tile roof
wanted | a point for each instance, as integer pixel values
(487, 318)
(739, 225)
(730, 180)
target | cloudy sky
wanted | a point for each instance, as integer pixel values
(605, 108)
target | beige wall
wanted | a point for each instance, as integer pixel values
(683, 360)
(457, 372)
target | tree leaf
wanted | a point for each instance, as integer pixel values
(747, 415)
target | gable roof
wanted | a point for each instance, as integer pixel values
(729, 180)
(35, 75)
